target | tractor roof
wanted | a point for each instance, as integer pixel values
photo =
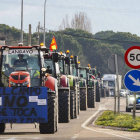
(19, 47)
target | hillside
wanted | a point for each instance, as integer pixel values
(91, 48)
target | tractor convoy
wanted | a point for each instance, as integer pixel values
(39, 85)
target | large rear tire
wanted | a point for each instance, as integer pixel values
(78, 95)
(83, 99)
(107, 93)
(51, 125)
(72, 104)
(2, 127)
(97, 94)
(91, 98)
(64, 106)
(103, 93)
(76, 104)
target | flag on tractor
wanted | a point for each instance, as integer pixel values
(53, 45)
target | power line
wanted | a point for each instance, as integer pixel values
(76, 7)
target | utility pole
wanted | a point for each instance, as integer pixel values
(29, 41)
(44, 21)
(116, 65)
(38, 33)
(115, 97)
(21, 35)
(134, 106)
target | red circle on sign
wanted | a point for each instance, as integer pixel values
(126, 55)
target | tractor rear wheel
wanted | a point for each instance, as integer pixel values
(83, 99)
(97, 94)
(78, 95)
(2, 127)
(107, 93)
(91, 98)
(103, 92)
(64, 106)
(76, 103)
(72, 104)
(50, 126)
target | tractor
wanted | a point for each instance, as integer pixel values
(66, 69)
(53, 62)
(28, 94)
(90, 76)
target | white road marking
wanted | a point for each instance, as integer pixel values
(103, 129)
(16, 138)
(85, 123)
(74, 137)
(37, 138)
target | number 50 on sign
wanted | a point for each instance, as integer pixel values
(132, 57)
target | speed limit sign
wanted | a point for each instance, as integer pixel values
(132, 57)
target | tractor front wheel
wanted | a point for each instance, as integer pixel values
(51, 125)
(2, 127)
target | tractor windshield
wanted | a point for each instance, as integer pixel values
(61, 66)
(50, 66)
(83, 73)
(73, 70)
(19, 64)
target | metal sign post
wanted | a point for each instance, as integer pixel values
(115, 100)
(116, 64)
(134, 106)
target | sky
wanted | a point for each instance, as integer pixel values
(115, 15)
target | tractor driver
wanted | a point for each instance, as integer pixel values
(20, 62)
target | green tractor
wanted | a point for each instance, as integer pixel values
(90, 75)
(95, 75)
(83, 87)
(67, 64)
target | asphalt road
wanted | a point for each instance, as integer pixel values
(78, 129)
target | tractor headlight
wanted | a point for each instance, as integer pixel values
(12, 84)
(25, 83)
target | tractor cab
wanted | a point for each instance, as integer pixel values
(71, 65)
(84, 72)
(21, 66)
(51, 64)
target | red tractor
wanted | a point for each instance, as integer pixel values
(27, 94)
(52, 64)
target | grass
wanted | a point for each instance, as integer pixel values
(119, 120)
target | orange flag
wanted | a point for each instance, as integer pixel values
(53, 45)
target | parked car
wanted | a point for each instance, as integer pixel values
(123, 92)
(130, 99)
(127, 92)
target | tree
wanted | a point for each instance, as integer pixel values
(79, 21)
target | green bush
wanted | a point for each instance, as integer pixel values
(119, 120)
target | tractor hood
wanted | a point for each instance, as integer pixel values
(19, 75)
